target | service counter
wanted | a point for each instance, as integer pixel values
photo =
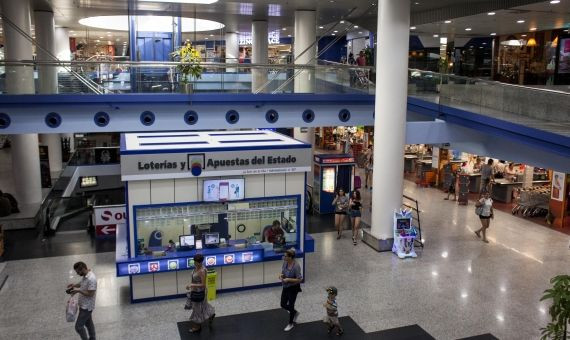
(503, 189)
(474, 182)
(214, 193)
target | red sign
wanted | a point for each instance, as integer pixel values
(338, 160)
(106, 230)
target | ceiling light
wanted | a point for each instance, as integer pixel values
(355, 26)
(468, 29)
(321, 27)
(211, 35)
(521, 21)
(100, 37)
(333, 34)
(289, 35)
(447, 21)
(416, 3)
(511, 41)
(491, 13)
(71, 31)
(554, 2)
(436, 35)
(533, 28)
(493, 34)
(150, 23)
(342, 21)
(284, 29)
(413, 27)
(531, 42)
(359, 32)
(205, 2)
(206, 38)
(523, 35)
(335, 31)
(97, 41)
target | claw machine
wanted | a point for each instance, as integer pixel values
(331, 172)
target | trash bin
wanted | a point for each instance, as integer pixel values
(211, 284)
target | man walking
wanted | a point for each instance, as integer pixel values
(86, 289)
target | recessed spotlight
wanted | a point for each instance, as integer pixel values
(355, 26)
(335, 31)
(211, 35)
(533, 28)
(484, 43)
(321, 27)
(491, 13)
(521, 21)
(413, 27)
(523, 35)
(554, 2)
(100, 37)
(284, 29)
(206, 38)
(97, 41)
(436, 35)
(289, 35)
(359, 32)
(493, 34)
(333, 34)
(71, 31)
(447, 21)
(342, 21)
(416, 3)
(468, 29)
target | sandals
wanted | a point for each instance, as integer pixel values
(211, 320)
(354, 240)
(478, 234)
(338, 236)
(195, 330)
(340, 332)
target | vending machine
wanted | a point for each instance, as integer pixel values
(331, 172)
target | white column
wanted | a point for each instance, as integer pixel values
(305, 37)
(20, 80)
(45, 38)
(47, 77)
(63, 52)
(390, 114)
(232, 50)
(259, 51)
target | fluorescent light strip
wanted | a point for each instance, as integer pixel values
(204, 2)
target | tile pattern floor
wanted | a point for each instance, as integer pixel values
(458, 287)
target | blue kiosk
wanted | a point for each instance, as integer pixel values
(331, 172)
(214, 193)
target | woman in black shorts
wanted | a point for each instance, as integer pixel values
(355, 214)
(340, 203)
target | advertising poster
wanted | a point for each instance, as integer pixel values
(564, 58)
(558, 183)
(328, 179)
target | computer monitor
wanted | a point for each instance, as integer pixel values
(187, 241)
(211, 239)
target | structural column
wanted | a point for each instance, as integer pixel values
(305, 52)
(62, 50)
(390, 118)
(232, 50)
(260, 53)
(305, 49)
(20, 80)
(47, 78)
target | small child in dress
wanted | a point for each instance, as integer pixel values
(331, 317)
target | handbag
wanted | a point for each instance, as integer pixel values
(71, 309)
(478, 210)
(188, 304)
(197, 296)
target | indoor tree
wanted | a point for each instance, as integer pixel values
(189, 66)
(557, 328)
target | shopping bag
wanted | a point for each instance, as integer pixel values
(71, 309)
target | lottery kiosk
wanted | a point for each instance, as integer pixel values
(212, 193)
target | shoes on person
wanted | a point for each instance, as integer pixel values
(354, 240)
(339, 332)
(338, 237)
(478, 234)
(211, 320)
(446, 198)
(486, 241)
(195, 330)
(296, 316)
(289, 327)
(330, 328)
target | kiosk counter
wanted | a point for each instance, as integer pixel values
(235, 197)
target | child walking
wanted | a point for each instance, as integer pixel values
(331, 317)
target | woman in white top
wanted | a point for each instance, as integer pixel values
(510, 172)
(485, 211)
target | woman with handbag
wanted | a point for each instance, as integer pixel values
(484, 208)
(291, 277)
(201, 309)
(355, 215)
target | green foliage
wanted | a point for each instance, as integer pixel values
(559, 311)
(189, 65)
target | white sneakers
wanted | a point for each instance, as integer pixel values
(289, 327)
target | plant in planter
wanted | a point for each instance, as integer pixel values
(189, 66)
(557, 329)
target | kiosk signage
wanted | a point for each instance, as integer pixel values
(180, 165)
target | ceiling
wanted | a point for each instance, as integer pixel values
(427, 15)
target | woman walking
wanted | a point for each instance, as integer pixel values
(484, 208)
(340, 203)
(291, 277)
(201, 309)
(355, 214)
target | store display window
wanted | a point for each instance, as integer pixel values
(249, 219)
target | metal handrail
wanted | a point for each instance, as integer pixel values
(492, 82)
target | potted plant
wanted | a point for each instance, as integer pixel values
(557, 329)
(189, 66)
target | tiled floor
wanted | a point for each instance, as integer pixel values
(458, 287)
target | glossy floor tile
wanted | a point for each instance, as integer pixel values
(458, 287)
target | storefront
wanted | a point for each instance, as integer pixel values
(213, 193)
